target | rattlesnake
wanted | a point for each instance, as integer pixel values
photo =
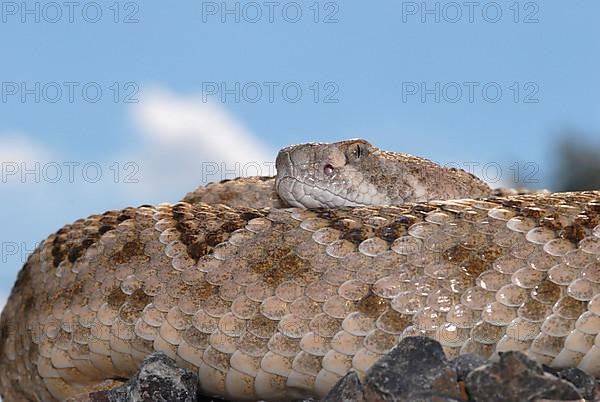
(269, 302)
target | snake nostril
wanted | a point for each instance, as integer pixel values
(328, 170)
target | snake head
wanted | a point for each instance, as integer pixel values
(355, 173)
(317, 175)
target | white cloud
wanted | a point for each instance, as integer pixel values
(196, 126)
(17, 148)
(186, 142)
(41, 180)
(22, 162)
(182, 143)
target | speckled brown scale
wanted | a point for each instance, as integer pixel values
(242, 192)
(286, 301)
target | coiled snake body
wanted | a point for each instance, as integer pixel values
(267, 302)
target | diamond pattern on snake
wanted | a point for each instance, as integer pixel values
(274, 288)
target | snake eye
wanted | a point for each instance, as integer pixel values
(357, 152)
(328, 170)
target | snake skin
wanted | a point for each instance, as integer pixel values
(281, 303)
(256, 191)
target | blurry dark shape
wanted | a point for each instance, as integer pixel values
(577, 164)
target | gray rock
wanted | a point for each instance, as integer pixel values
(415, 370)
(158, 380)
(584, 382)
(466, 363)
(348, 388)
(517, 378)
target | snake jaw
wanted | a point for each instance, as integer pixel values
(299, 194)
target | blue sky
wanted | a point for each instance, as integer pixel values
(361, 69)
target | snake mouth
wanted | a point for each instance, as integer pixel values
(298, 193)
(299, 184)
